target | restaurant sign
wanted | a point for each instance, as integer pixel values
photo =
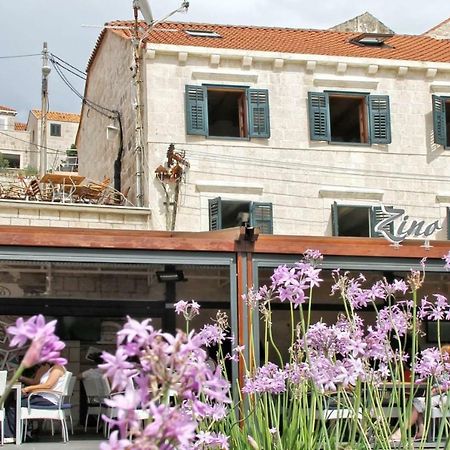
(395, 226)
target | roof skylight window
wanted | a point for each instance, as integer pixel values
(371, 39)
(203, 33)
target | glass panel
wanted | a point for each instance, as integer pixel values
(326, 307)
(354, 221)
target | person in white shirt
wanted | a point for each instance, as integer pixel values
(51, 378)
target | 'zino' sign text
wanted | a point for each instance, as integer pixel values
(395, 226)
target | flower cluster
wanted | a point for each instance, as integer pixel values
(44, 344)
(188, 309)
(187, 399)
(163, 366)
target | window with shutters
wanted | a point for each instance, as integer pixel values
(55, 129)
(235, 213)
(355, 220)
(441, 120)
(338, 117)
(227, 112)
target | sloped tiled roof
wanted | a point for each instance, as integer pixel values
(6, 108)
(57, 116)
(289, 40)
(20, 126)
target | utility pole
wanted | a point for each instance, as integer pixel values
(44, 106)
(138, 57)
(139, 123)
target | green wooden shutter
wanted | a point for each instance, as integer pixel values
(258, 111)
(215, 213)
(439, 122)
(261, 216)
(335, 219)
(319, 116)
(196, 110)
(379, 119)
(377, 215)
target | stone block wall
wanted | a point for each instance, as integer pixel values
(23, 213)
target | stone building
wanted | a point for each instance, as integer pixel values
(61, 131)
(20, 142)
(14, 139)
(303, 132)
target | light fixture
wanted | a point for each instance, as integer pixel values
(170, 275)
(111, 132)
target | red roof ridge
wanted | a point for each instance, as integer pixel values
(57, 115)
(7, 108)
(305, 41)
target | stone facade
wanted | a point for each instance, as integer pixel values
(364, 23)
(441, 31)
(13, 141)
(98, 152)
(299, 177)
(56, 145)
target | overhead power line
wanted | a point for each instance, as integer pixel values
(111, 114)
(82, 72)
(20, 56)
(28, 142)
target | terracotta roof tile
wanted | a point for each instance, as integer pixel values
(57, 116)
(6, 108)
(290, 40)
(19, 126)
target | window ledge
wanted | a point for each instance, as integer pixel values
(224, 76)
(345, 82)
(440, 86)
(353, 193)
(444, 197)
(229, 187)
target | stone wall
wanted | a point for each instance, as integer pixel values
(110, 89)
(23, 213)
(441, 31)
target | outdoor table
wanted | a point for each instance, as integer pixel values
(63, 184)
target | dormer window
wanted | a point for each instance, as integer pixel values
(371, 39)
(203, 33)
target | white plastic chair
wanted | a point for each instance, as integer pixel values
(3, 376)
(53, 412)
(97, 389)
(437, 414)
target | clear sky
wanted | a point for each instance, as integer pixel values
(26, 24)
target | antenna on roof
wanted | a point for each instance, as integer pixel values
(145, 9)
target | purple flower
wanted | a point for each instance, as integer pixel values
(209, 440)
(268, 378)
(118, 368)
(134, 331)
(446, 258)
(115, 443)
(211, 335)
(45, 345)
(188, 309)
(169, 429)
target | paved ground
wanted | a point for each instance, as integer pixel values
(44, 441)
(54, 445)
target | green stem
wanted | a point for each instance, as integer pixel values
(16, 376)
